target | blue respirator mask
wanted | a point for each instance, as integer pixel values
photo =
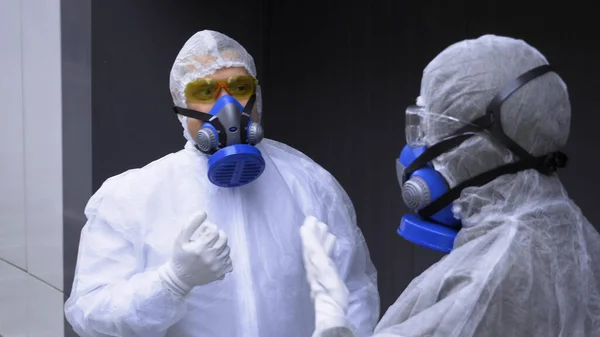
(426, 191)
(228, 136)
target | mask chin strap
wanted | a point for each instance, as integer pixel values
(490, 122)
(246, 118)
(214, 121)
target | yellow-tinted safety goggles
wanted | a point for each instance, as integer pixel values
(206, 90)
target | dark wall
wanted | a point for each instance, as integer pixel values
(76, 129)
(336, 81)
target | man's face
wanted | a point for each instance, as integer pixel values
(223, 74)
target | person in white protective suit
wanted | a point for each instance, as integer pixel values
(524, 262)
(204, 241)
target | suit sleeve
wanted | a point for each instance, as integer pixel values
(113, 294)
(354, 263)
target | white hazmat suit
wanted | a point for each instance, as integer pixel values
(135, 218)
(526, 262)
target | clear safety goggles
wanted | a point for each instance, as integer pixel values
(414, 129)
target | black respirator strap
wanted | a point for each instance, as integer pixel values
(244, 129)
(202, 116)
(492, 119)
(250, 105)
(433, 152)
(206, 117)
(550, 163)
(246, 119)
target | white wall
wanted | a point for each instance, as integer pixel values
(31, 271)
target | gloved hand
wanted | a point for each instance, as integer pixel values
(196, 262)
(327, 290)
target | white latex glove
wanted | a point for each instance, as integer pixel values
(327, 290)
(198, 261)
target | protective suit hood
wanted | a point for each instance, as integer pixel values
(460, 82)
(203, 54)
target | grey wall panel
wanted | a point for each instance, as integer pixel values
(77, 127)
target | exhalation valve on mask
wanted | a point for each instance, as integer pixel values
(228, 135)
(427, 193)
